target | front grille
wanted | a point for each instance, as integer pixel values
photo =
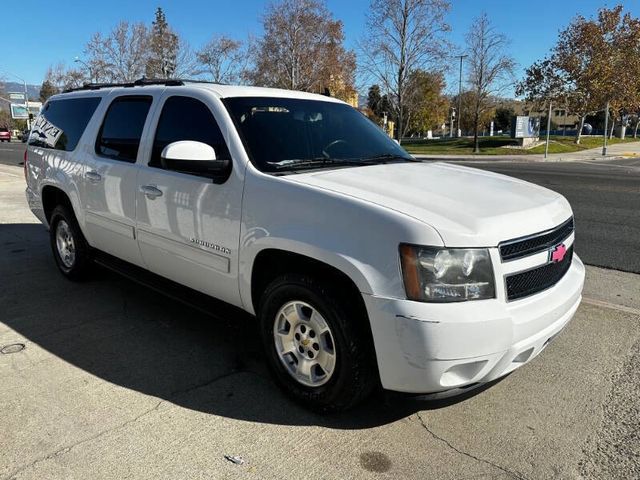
(524, 246)
(523, 284)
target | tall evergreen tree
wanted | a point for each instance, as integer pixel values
(46, 90)
(163, 48)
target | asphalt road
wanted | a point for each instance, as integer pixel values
(108, 379)
(605, 196)
(12, 153)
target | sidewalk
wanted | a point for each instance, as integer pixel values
(619, 150)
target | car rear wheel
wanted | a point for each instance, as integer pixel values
(313, 343)
(69, 247)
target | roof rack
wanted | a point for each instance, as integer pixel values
(141, 82)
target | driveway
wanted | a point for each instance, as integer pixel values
(107, 379)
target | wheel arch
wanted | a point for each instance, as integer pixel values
(270, 263)
(52, 196)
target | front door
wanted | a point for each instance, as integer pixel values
(188, 226)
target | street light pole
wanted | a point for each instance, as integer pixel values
(460, 94)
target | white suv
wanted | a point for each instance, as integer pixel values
(363, 266)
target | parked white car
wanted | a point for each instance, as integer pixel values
(363, 266)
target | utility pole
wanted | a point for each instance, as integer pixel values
(461, 57)
(606, 129)
(546, 147)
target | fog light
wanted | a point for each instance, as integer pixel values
(461, 373)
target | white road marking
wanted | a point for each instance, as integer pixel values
(611, 306)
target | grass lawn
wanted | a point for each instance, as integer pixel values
(496, 145)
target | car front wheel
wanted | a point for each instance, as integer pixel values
(314, 343)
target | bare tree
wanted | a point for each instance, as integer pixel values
(302, 49)
(62, 78)
(490, 69)
(223, 60)
(120, 56)
(186, 63)
(403, 36)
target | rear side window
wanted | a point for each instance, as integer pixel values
(62, 122)
(186, 118)
(119, 136)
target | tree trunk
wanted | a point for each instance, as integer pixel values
(476, 141)
(635, 131)
(579, 132)
(613, 124)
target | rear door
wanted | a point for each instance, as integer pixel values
(189, 225)
(110, 177)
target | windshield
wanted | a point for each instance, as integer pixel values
(286, 134)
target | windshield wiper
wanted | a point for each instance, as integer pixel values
(385, 157)
(317, 162)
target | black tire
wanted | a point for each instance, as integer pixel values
(355, 373)
(79, 268)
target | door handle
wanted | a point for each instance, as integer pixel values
(93, 176)
(151, 191)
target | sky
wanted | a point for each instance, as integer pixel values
(47, 33)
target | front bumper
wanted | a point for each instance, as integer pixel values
(429, 347)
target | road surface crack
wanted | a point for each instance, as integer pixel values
(207, 383)
(473, 457)
(68, 448)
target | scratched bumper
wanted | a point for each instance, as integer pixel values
(427, 347)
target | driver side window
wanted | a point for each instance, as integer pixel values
(186, 118)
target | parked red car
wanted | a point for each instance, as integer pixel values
(5, 134)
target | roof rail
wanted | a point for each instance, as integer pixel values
(141, 82)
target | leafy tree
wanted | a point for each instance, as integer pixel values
(377, 103)
(403, 36)
(468, 103)
(163, 48)
(5, 119)
(490, 69)
(428, 106)
(503, 118)
(302, 49)
(47, 90)
(593, 62)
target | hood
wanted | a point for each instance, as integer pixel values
(468, 207)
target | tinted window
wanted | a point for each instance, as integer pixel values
(61, 123)
(185, 118)
(286, 133)
(119, 136)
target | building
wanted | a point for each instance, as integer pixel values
(559, 116)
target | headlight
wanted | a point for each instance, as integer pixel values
(434, 274)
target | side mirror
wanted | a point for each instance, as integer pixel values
(189, 156)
